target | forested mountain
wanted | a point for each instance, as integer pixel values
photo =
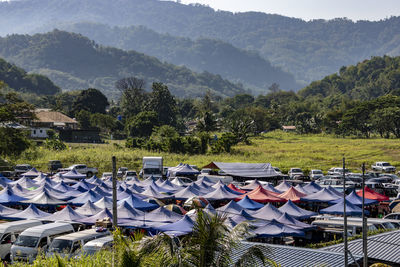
(366, 80)
(17, 79)
(210, 55)
(73, 61)
(309, 50)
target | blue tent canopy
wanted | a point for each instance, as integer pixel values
(66, 214)
(312, 187)
(182, 169)
(84, 197)
(25, 182)
(224, 186)
(73, 174)
(138, 203)
(181, 227)
(283, 186)
(162, 215)
(126, 211)
(292, 222)
(355, 199)
(5, 211)
(83, 184)
(187, 193)
(231, 209)
(249, 204)
(337, 209)
(276, 229)
(99, 216)
(88, 209)
(170, 186)
(44, 199)
(104, 202)
(241, 217)
(7, 196)
(32, 173)
(31, 212)
(268, 212)
(220, 194)
(324, 195)
(153, 193)
(293, 210)
(4, 181)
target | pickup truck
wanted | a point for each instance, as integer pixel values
(81, 168)
(383, 167)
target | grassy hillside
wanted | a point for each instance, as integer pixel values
(308, 49)
(73, 61)
(199, 55)
(284, 150)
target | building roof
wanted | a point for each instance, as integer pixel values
(383, 247)
(288, 256)
(289, 127)
(52, 117)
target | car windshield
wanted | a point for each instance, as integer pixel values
(385, 164)
(90, 250)
(296, 170)
(27, 241)
(22, 168)
(317, 172)
(60, 246)
(152, 171)
(131, 174)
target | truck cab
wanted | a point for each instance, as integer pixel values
(152, 166)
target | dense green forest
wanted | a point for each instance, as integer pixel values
(17, 79)
(308, 49)
(200, 55)
(72, 61)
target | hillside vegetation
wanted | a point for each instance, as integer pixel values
(17, 79)
(200, 55)
(310, 50)
(73, 61)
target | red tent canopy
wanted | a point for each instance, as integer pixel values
(234, 188)
(292, 194)
(371, 194)
(261, 195)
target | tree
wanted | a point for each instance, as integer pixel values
(163, 103)
(142, 124)
(83, 118)
(241, 125)
(104, 122)
(133, 95)
(91, 100)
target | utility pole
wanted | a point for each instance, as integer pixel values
(364, 220)
(114, 191)
(346, 263)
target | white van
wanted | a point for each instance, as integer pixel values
(69, 245)
(9, 232)
(38, 238)
(96, 245)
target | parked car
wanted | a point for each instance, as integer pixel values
(316, 174)
(54, 165)
(293, 172)
(206, 171)
(337, 170)
(277, 170)
(106, 175)
(96, 245)
(82, 168)
(121, 171)
(21, 168)
(130, 175)
(383, 167)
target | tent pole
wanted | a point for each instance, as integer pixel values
(346, 263)
(364, 220)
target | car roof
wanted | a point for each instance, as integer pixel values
(99, 242)
(38, 230)
(82, 234)
(8, 225)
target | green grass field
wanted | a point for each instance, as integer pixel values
(284, 150)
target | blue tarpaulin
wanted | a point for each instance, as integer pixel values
(249, 204)
(293, 210)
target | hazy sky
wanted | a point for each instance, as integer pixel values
(311, 9)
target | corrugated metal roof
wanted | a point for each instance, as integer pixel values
(385, 247)
(288, 256)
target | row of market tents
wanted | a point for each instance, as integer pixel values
(140, 202)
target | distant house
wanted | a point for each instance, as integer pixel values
(289, 128)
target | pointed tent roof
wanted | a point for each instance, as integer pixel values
(101, 192)
(25, 182)
(151, 192)
(293, 210)
(276, 229)
(83, 184)
(272, 189)
(88, 209)
(138, 203)
(126, 211)
(371, 194)
(247, 203)
(63, 187)
(283, 186)
(187, 193)
(40, 178)
(241, 217)
(7, 196)
(252, 185)
(98, 216)
(66, 214)
(335, 191)
(170, 186)
(338, 209)
(4, 181)
(60, 178)
(148, 181)
(136, 188)
(159, 188)
(292, 222)
(44, 198)
(312, 187)
(104, 202)
(324, 195)
(4, 211)
(178, 182)
(261, 195)
(182, 169)
(209, 209)
(49, 189)
(124, 194)
(32, 173)
(355, 199)
(203, 188)
(19, 190)
(161, 214)
(94, 180)
(181, 227)
(234, 188)
(300, 188)
(231, 209)
(292, 194)
(268, 212)
(205, 180)
(73, 174)
(31, 212)
(84, 197)
(220, 184)
(220, 194)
